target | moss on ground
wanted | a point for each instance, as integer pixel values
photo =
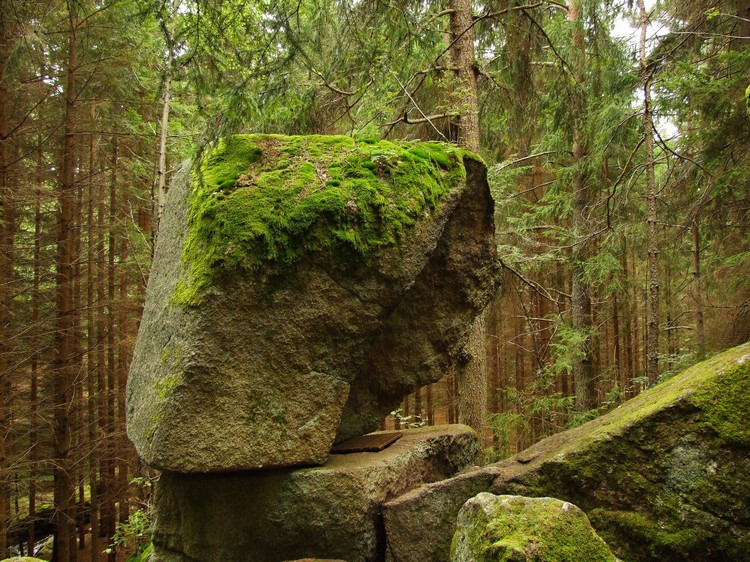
(264, 201)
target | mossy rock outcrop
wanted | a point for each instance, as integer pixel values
(301, 287)
(325, 512)
(494, 528)
(666, 476)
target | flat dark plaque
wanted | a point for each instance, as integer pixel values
(371, 443)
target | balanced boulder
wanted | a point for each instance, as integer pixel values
(301, 287)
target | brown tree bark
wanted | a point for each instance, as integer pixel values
(652, 346)
(700, 337)
(34, 367)
(472, 376)
(65, 513)
(110, 498)
(430, 405)
(464, 61)
(91, 348)
(6, 269)
(583, 372)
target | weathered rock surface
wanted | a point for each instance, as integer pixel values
(301, 287)
(492, 528)
(332, 511)
(662, 477)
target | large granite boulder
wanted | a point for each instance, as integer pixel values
(330, 512)
(301, 287)
(663, 477)
(492, 528)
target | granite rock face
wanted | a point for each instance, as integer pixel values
(327, 512)
(662, 477)
(502, 528)
(301, 287)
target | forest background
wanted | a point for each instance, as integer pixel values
(616, 137)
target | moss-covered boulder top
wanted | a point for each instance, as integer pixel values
(301, 287)
(666, 476)
(263, 201)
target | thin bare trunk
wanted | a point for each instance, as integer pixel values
(34, 381)
(161, 189)
(6, 267)
(103, 453)
(110, 499)
(430, 405)
(652, 345)
(700, 338)
(64, 386)
(91, 351)
(122, 377)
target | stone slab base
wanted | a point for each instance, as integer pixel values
(333, 511)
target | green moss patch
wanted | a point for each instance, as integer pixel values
(725, 403)
(518, 528)
(261, 202)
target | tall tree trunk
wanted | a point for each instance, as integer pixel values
(161, 189)
(463, 60)
(430, 405)
(6, 269)
(64, 496)
(34, 380)
(122, 377)
(472, 376)
(472, 394)
(112, 336)
(103, 453)
(652, 345)
(91, 349)
(169, 68)
(700, 338)
(583, 372)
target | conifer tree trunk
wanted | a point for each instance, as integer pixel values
(463, 60)
(700, 337)
(472, 376)
(583, 371)
(652, 345)
(34, 379)
(65, 513)
(6, 267)
(101, 366)
(111, 483)
(430, 405)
